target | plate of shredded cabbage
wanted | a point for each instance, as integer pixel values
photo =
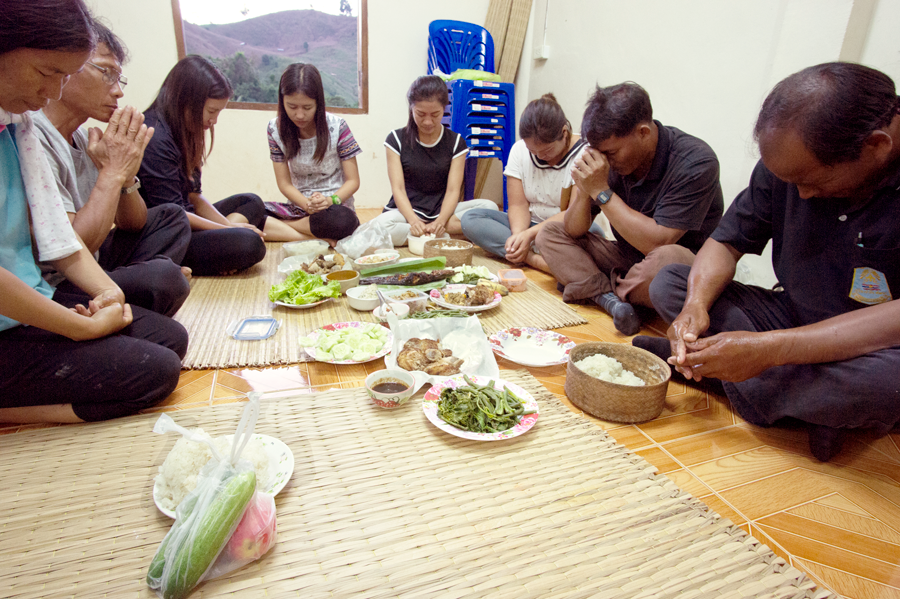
(303, 290)
(348, 342)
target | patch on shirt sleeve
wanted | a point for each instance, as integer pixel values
(870, 287)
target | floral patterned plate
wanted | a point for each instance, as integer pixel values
(281, 466)
(437, 296)
(336, 326)
(531, 347)
(430, 407)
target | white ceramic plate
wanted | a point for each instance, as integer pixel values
(385, 258)
(531, 347)
(437, 296)
(388, 342)
(433, 396)
(303, 306)
(281, 466)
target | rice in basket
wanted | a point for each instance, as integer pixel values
(179, 472)
(609, 370)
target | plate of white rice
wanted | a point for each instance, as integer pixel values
(272, 460)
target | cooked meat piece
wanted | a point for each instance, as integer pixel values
(410, 359)
(421, 344)
(433, 355)
(411, 278)
(447, 352)
(445, 367)
(458, 299)
(479, 296)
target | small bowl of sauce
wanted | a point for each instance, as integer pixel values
(390, 388)
(345, 278)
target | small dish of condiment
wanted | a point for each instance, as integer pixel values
(346, 278)
(390, 388)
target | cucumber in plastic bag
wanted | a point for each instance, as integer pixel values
(207, 518)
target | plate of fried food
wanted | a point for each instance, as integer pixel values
(469, 298)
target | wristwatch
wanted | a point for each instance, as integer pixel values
(133, 188)
(604, 196)
(335, 199)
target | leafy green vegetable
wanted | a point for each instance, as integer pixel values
(301, 288)
(470, 275)
(418, 265)
(480, 408)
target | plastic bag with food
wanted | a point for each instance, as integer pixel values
(208, 517)
(367, 239)
(252, 538)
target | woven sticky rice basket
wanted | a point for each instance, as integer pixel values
(456, 251)
(614, 402)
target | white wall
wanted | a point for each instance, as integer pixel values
(707, 65)
(882, 47)
(398, 33)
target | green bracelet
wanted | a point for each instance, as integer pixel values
(335, 199)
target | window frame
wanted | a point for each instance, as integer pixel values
(362, 36)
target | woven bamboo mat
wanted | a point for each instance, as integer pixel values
(383, 504)
(215, 302)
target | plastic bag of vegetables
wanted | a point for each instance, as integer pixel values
(207, 518)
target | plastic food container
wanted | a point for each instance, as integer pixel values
(416, 304)
(513, 279)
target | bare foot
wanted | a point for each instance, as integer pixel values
(187, 272)
(537, 261)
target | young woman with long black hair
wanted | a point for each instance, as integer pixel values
(314, 156)
(226, 236)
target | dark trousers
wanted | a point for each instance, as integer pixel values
(862, 392)
(219, 251)
(103, 378)
(145, 264)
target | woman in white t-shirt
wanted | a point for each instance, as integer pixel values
(539, 185)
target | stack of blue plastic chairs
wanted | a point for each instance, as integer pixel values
(483, 112)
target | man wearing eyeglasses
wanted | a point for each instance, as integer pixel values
(96, 175)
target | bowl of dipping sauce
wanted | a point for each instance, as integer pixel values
(346, 278)
(390, 388)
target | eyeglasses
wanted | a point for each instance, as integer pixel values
(111, 76)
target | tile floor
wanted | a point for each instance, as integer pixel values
(839, 522)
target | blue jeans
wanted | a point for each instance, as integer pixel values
(489, 230)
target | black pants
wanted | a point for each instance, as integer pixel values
(219, 251)
(862, 392)
(103, 378)
(145, 264)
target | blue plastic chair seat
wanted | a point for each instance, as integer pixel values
(456, 45)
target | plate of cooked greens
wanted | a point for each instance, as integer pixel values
(480, 408)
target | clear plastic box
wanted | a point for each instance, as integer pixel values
(513, 279)
(416, 304)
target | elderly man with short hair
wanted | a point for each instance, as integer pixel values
(96, 176)
(658, 187)
(824, 346)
